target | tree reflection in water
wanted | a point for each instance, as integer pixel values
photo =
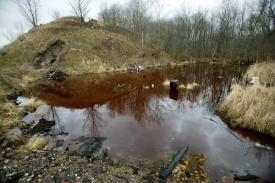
(141, 104)
(93, 121)
(52, 115)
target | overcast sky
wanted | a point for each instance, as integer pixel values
(10, 15)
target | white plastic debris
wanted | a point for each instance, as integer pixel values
(262, 146)
(255, 80)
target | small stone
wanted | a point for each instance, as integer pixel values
(6, 161)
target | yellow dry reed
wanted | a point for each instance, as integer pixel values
(182, 86)
(38, 143)
(251, 108)
(192, 86)
(264, 70)
(166, 83)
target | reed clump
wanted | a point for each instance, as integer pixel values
(264, 70)
(252, 106)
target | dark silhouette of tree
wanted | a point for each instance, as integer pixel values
(80, 8)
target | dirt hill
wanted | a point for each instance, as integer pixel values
(69, 45)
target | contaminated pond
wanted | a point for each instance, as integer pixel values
(141, 117)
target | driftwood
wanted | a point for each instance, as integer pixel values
(209, 119)
(168, 169)
(233, 134)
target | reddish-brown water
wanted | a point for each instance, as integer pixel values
(144, 122)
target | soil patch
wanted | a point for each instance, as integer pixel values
(50, 55)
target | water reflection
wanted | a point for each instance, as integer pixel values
(145, 122)
(93, 121)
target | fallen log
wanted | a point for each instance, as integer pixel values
(168, 169)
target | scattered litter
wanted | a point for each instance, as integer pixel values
(262, 146)
(254, 80)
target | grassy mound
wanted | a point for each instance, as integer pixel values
(254, 106)
(69, 45)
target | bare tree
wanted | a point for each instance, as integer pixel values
(56, 15)
(30, 10)
(80, 8)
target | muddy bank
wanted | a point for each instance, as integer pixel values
(51, 166)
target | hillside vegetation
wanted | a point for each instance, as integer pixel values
(71, 45)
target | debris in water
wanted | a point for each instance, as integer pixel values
(169, 168)
(262, 146)
(233, 134)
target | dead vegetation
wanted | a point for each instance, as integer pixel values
(189, 86)
(37, 143)
(10, 116)
(253, 107)
(192, 86)
(264, 70)
(33, 102)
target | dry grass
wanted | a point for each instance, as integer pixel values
(145, 87)
(10, 116)
(251, 108)
(166, 83)
(38, 143)
(264, 70)
(40, 114)
(254, 106)
(192, 86)
(182, 86)
(33, 102)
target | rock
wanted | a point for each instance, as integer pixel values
(41, 127)
(89, 145)
(57, 75)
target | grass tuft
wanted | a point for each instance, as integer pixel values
(182, 86)
(192, 86)
(38, 143)
(10, 116)
(33, 102)
(166, 83)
